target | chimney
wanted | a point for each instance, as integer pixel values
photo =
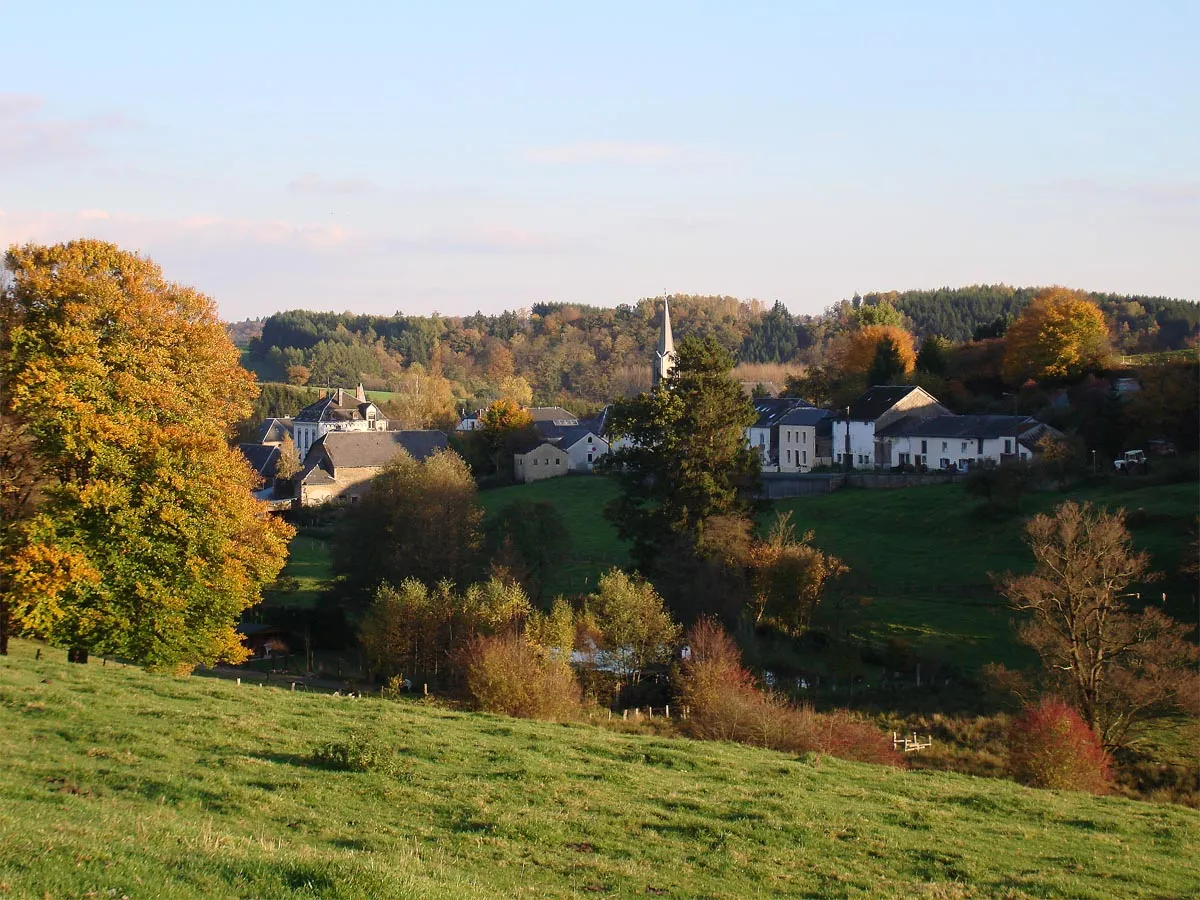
(360, 395)
(340, 397)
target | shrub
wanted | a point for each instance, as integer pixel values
(725, 705)
(1050, 746)
(357, 753)
(506, 674)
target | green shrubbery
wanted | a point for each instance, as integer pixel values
(357, 753)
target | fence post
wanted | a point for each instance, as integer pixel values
(239, 681)
(624, 715)
(650, 712)
(293, 685)
(667, 709)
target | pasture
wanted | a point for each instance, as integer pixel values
(120, 783)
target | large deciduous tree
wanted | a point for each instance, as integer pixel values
(144, 541)
(1117, 667)
(419, 520)
(1061, 334)
(685, 458)
(856, 350)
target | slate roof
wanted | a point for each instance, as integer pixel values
(879, 399)
(772, 409)
(572, 435)
(965, 427)
(273, 431)
(365, 450)
(327, 409)
(263, 458)
(554, 414)
(804, 415)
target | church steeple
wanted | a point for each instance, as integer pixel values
(664, 356)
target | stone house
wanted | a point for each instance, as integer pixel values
(763, 436)
(800, 444)
(539, 462)
(340, 465)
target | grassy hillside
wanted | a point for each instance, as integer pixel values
(919, 557)
(118, 783)
(595, 546)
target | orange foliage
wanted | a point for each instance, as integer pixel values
(1060, 334)
(856, 349)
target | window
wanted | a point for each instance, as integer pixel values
(905, 459)
(943, 446)
(535, 462)
(924, 449)
(964, 446)
(589, 456)
(1008, 445)
(589, 438)
(804, 437)
(945, 463)
(804, 455)
(557, 461)
(789, 457)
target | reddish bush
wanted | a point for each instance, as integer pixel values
(1050, 746)
(506, 674)
(724, 705)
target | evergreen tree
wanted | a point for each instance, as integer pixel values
(687, 459)
(888, 366)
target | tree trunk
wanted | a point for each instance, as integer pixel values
(77, 655)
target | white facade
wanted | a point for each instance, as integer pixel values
(958, 452)
(586, 451)
(305, 434)
(862, 443)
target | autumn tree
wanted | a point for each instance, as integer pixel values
(856, 350)
(298, 375)
(145, 540)
(289, 464)
(1117, 667)
(787, 577)
(419, 520)
(635, 628)
(888, 367)
(685, 458)
(1060, 335)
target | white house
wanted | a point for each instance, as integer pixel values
(337, 411)
(962, 442)
(583, 445)
(856, 430)
(470, 422)
(541, 461)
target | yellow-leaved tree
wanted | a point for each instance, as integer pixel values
(144, 541)
(857, 349)
(1060, 334)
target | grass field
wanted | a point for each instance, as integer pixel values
(117, 783)
(308, 562)
(595, 546)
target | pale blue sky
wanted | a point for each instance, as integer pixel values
(463, 156)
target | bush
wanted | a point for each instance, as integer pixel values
(725, 705)
(355, 754)
(1050, 746)
(506, 674)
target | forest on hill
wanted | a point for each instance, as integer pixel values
(583, 356)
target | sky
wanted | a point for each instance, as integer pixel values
(457, 156)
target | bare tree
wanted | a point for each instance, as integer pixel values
(1117, 667)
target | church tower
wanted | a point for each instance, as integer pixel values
(664, 356)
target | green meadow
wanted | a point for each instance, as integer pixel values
(118, 783)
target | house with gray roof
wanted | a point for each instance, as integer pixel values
(802, 435)
(337, 411)
(963, 442)
(340, 465)
(856, 430)
(763, 435)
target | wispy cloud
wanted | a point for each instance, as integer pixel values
(603, 152)
(29, 136)
(311, 183)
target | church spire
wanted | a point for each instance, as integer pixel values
(664, 356)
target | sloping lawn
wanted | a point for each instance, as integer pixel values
(117, 783)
